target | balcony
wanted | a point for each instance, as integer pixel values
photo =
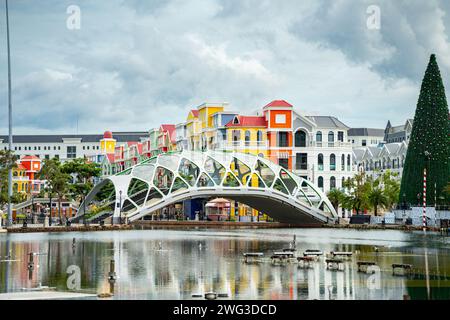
(241, 145)
(326, 144)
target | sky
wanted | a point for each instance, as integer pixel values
(133, 65)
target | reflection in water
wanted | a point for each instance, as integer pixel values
(171, 264)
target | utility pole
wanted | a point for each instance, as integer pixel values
(10, 138)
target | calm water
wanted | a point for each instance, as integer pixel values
(174, 264)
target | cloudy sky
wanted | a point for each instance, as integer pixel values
(135, 64)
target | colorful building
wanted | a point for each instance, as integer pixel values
(167, 138)
(278, 115)
(193, 130)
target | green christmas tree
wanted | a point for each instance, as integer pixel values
(429, 145)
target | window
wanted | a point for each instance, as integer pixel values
(331, 136)
(280, 118)
(348, 162)
(341, 136)
(320, 161)
(320, 182)
(47, 156)
(301, 161)
(343, 162)
(319, 136)
(71, 152)
(259, 136)
(364, 143)
(57, 156)
(247, 138)
(35, 148)
(332, 162)
(84, 147)
(300, 139)
(332, 183)
(236, 135)
(284, 163)
(283, 139)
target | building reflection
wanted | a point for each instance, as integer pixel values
(171, 265)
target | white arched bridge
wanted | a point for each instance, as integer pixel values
(173, 177)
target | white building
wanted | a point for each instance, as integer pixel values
(376, 160)
(65, 146)
(181, 136)
(322, 153)
(364, 137)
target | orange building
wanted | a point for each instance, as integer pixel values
(32, 165)
(278, 115)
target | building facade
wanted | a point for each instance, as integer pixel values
(64, 147)
(364, 137)
(322, 153)
(400, 133)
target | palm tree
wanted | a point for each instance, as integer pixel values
(336, 197)
(377, 198)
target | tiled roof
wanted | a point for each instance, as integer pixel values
(327, 122)
(247, 121)
(367, 132)
(278, 103)
(29, 157)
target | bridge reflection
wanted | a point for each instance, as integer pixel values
(162, 264)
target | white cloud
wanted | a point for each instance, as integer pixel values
(134, 65)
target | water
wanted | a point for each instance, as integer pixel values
(174, 264)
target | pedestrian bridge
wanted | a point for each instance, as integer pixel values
(173, 177)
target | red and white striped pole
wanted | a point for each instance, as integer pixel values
(424, 199)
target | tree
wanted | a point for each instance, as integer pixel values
(357, 193)
(83, 173)
(429, 145)
(377, 198)
(57, 181)
(391, 188)
(7, 161)
(336, 197)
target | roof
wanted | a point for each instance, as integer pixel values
(21, 167)
(194, 113)
(170, 128)
(367, 132)
(247, 121)
(30, 157)
(327, 122)
(58, 138)
(278, 103)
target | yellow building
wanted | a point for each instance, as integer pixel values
(193, 130)
(20, 179)
(208, 130)
(108, 143)
(247, 134)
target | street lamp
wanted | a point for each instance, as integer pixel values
(10, 138)
(120, 207)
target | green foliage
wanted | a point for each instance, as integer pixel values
(57, 180)
(365, 193)
(336, 197)
(7, 161)
(84, 172)
(429, 145)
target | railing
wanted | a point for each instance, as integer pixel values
(241, 145)
(325, 144)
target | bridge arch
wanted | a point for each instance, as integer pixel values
(173, 177)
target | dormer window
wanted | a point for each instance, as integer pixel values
(236, 120)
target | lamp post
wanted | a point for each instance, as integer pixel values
(10, 138)
(120, 207)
